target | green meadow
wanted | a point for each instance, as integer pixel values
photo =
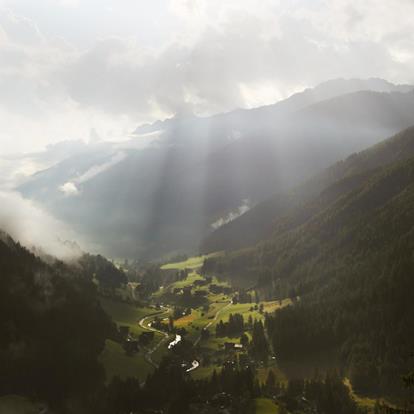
(265, 406)
(117, 363)
(113, 357)
(125, 314)
(191, 263)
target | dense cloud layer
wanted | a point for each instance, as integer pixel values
(95, 73)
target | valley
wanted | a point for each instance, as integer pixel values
(249, 276)
(206, 207)
(206, 351)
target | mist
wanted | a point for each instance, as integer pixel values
(206, 206)
(29, 224)
(232, 215)
(71, 187)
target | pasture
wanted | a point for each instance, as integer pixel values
(191, 263)
(265, 406)
(117, 363)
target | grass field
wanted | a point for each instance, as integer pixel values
(191, 278)
(245, 310)
(216, 344)
(265, 406)
(190, 263)
(198, 319)
(160, 352)
(187, 319)
(14, 404)
(117, 363)
(114, 359)
(125, 314)
(205, 372)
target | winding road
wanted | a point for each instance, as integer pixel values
(143, 323)
(146, 325)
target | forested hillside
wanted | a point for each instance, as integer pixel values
(52, 329)
(258, 223)
(349, 258)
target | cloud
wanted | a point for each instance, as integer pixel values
(245, 207)
(100, 168)
(35, 106)
(15, 170)
(71, 188)
(220, 55)
(69, 3)
(32, 227)
(242, 55)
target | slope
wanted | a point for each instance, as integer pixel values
(166, 197)
(350, 261)
(257, 223)
(52, 328)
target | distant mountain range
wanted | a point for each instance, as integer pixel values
(196, 173)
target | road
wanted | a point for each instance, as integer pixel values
(194, 365)
(146, 325)
(213, 320)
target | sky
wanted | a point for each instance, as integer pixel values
(95, 69)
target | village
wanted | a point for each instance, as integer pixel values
(210, 324)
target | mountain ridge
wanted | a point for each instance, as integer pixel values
(165, 198)
(257, 223)
(347, 265)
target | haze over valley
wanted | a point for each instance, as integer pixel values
(206, 207)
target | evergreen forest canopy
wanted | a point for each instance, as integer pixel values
(346, 256)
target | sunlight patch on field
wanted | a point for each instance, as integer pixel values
(247, 309)
(265, 406)
(190, 263)
(186, 320)
(188, 281)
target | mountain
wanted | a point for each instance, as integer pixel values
(345, 258)
(348, 201)
(326, 90)
(258, 222)
(199, 172)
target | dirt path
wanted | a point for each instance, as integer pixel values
(213, 320)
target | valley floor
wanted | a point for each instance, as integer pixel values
(211, 350)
